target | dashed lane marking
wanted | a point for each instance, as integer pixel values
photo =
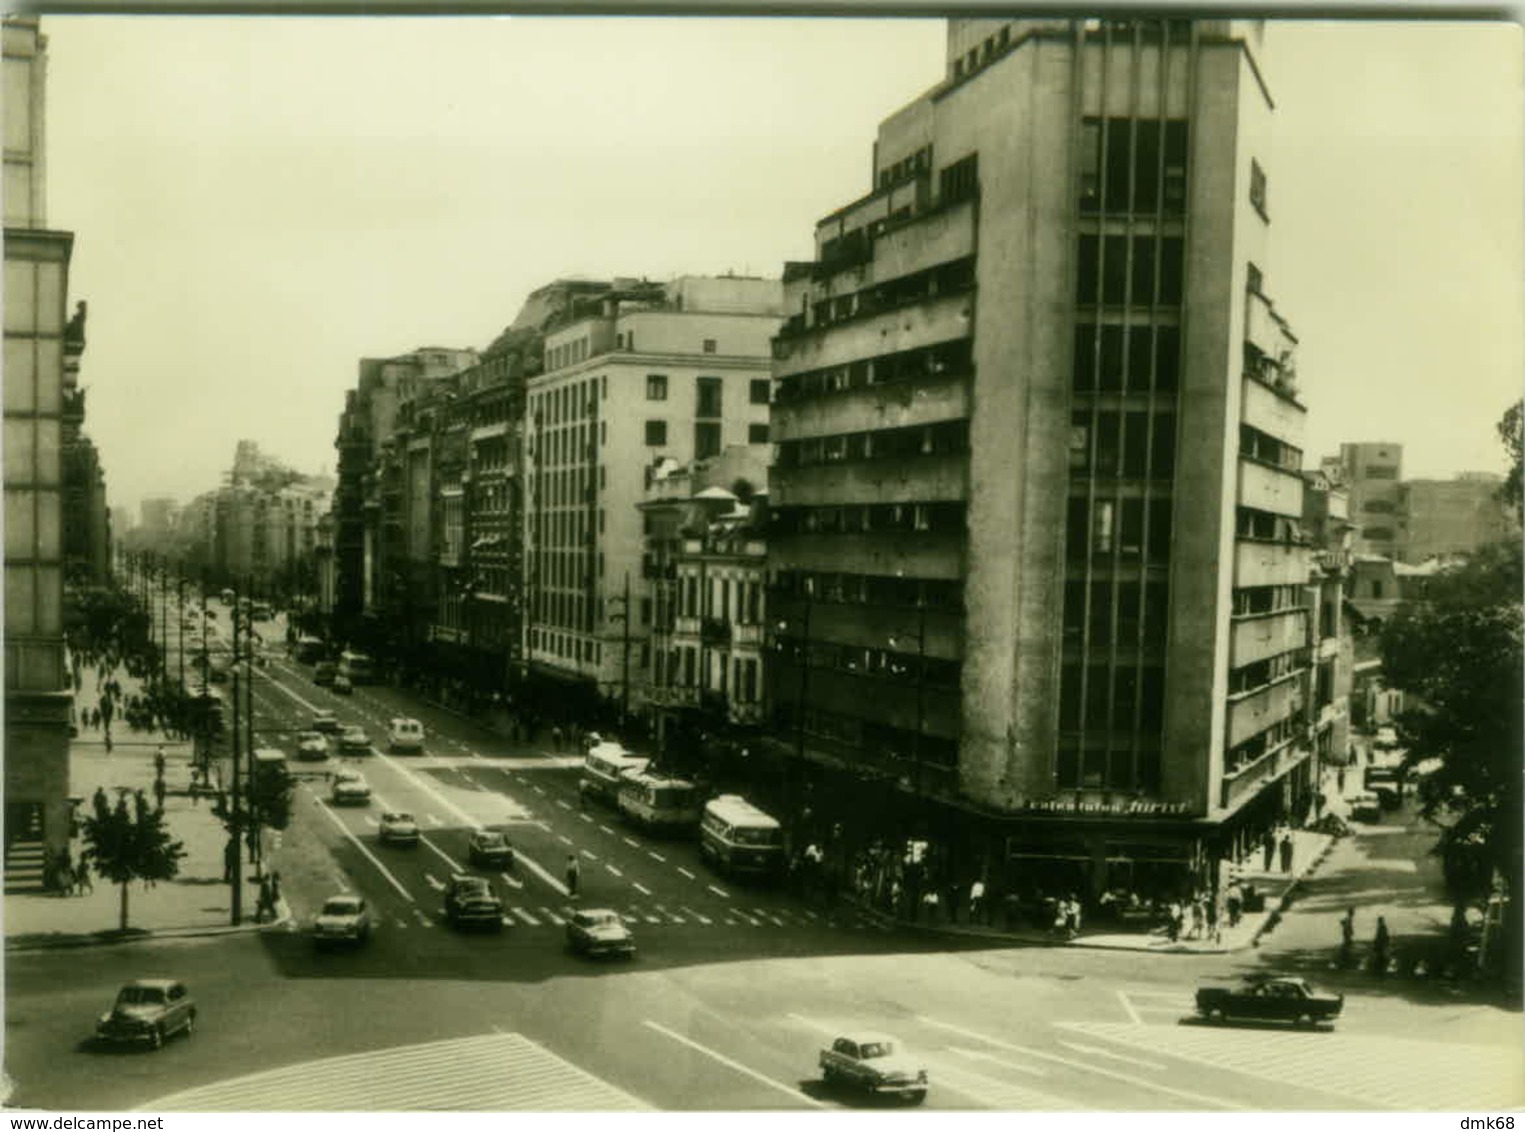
(584, 817)
(525, 916)
(641, 888)
(671, 918)
(1128, 1006)
(511, 881)
(1005, 1063)
(355, 841)
(695, 915)
(686, 873)
(588, 853)
(720, 892)
(1099, 1052)
(765, 914)
(550, 915)
(606, 829)
(615, 871)
(564, 805)
(655, 856)
(434, 882)
(564, 839)
(632, 842)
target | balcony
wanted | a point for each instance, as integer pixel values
(1255, 638)
(1273, 489)
(1259, 710)
(715, 632)
(1270, 564)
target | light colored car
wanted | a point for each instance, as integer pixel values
(1364, 806)
(350, 789)
(354, 741)
(405, 735)
(312, 747)
(342, 685)
(398, 828)
(148, 1010)
(345, 918)
(325, 720)
(599, 931)
(490, 848)
(875, 1064)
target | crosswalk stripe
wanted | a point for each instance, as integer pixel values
(550, 915)
(696, 915)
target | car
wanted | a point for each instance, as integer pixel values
(312, 747)
(1365, 806)
(325, 721)
(405, 735)
(344, 919)
(490, 848)
(398, 828)
(875, 1064)
(148, 1010)
(324, 672)
(1270, 998)
(342, 685)
(471, 902)
(354, 741)
(350, 789)
(599, 931)
(1386, 739)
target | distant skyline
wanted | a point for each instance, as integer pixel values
(260, 202)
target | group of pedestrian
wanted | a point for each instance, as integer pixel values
(69, 878)
(1381, 944)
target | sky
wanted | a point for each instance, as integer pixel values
(260, 202)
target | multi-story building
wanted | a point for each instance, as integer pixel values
(42, 348)
(1446, 518)
(1372, 473)
(160, 515)
(631, 375)
(1326, 521)
(1037, 493)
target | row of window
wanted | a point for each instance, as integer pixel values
(564, 611)
(1256, 746)
(572, 487)
(738, 602)
(1129, 270)
(908, 167)
(566, 647)
(977, 57)
(1133, 165)
(1263, 672)
(1097, 768)
(887, 663)
(575, 401)
(1133, 529)
(1125, 612)
(906, 365)
(708, 392)
(1133, 445)
(566, 445)
(679, 668)
(918, 287)
(1249, 600)
(869, 518)
(870, 589)
(1117, 358)
(1101, 697)
(867, 734)
(1266, 526)
(1257, 445)
(707, 436)
(942, 438)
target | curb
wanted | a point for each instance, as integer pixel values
(60, 941)
(1284, 903)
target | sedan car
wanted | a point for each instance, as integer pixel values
(354, 741)
(875, 1064)
(599, 931)
(1365, 806)
(471, 902)
(1270, 998)
(398, 828)
(325, 721)
(490, 849)
(323, 675)
(148, 1010)
(405, 735)
(344, 919)
(312, 747)
(350, 789)
(342, 685)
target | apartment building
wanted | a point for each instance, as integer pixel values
(1037, 500)
(638, 373)
(1446, 518)
(1373, 473)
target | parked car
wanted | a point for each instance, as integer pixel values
(471, 902)
(875, 1064)
(325, 721)
(350, 789)
(345, 918)
(324, 672)
(599, 931)
(405, 735)
(312, 747)
(1275, 998)
(398, 828)
(148, 1010)
(342, 685)
(1364, 806)
(354, 741)
(490, 848)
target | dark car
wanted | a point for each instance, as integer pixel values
(470, 902)
(148, 1010)
(489, 848)
(599, 931)
(323, 675)
(1270, 998)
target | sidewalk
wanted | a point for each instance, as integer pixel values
(196, 902)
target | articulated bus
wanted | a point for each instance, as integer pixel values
(736, 837)
(358, 666)
(665, 805)
(605, 767)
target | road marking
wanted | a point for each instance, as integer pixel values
(538, 790)
(400, 923)
(512, 882)
(564, 839)
(368, 854)
(550, 915)
(423, 919)
(641, 888)
(446, 857)
(671, 917)
(434, 883)
(614, 870)
(655, 856)
(590, 855)
(1088, 1067)
(1099, 1052)
(768, 916)
(736, 1065)
(606, 829)
(525, 916)
(808, 914)
(564, 805)
(1122, 997)
(720, 892)
(695, 915)
(979, 1055)
(686, 873)
(632, 842)
(584, 817)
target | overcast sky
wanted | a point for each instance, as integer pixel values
(258, 203)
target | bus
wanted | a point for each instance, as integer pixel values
(736, 837)
(655, 802)
(358, 667)
(604, 768)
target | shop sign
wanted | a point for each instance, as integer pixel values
(1132, 807)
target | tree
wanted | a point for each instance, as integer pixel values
(1511, 429)
(127, 843)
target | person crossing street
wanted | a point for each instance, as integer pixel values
(573, 874)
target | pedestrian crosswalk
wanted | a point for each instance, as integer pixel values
(484, 1073)
(664, 916)
(1355, 1071)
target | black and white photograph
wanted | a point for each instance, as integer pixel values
(940, 562)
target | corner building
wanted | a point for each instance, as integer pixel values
(1037, 495)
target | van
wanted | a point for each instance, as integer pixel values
(603, 769)
(736, 837)
(658, 803)
(358, 666)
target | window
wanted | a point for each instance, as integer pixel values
(656, 387)
(1258, 189)
(1380, 472)
(656, 434)
(960, 180)
(1109, 264)
(757, 434)
(1142, 162)
(760, 390)
(709, 391)
(709, 345)
(706, 439)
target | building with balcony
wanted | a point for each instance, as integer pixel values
(1043, 527)
(1331, 668)
(633, 374)
(42, 350)
(1373, 472)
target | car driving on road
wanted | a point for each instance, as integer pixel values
(405, 735)
(354, 741)
(875, 1064)
(350, 789)
(471, 902)
(325, 721)
(490, 848)
(343, 919)
(148, 1010)
(599, 931)
(1270, 998)
(397, 828)
(311, 747)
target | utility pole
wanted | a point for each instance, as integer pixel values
(237, 801)
(248, 664)
(625, 667)
(180, 602)
(798, 766)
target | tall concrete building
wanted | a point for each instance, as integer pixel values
(1037, 498)
(636, 374)
(1446, 518)
(42, 349)
(1373, 474)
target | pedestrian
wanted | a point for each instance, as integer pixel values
(1267, 850)
(159, 761)
(1173, 921)
(1198, 918)
(82, 881)
(1211, 911)
(1347, 937)
(275, 892)
(1233, 903)
(556, 738)
(159, 792)
(1286, 853)
(266, 906)
(1339, 779)
(573, 873)
(229, 858)
(977, 901)
(1380, 943)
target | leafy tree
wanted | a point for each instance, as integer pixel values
(126, 843)
(1511, 429)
